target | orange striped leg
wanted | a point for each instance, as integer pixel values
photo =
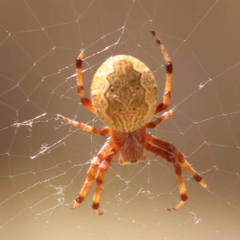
(172, 159)
(188, 167)
(97, 162)
(165, 116)
(85, 101)
(99, 181)
(170, 148)
(85, 127)
(90, 176)
(169, 69)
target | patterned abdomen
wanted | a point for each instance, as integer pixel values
(124, 93)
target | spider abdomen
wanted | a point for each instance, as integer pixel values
(124, 93)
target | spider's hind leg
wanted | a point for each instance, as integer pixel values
(170, 148)
(172, 159)
(88, 182)
(99, 181)
(102, 162)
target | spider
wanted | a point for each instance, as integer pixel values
(124, 97)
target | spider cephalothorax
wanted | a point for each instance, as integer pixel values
(124, 95)
(131, 145)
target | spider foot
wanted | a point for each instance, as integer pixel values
(171, 209)
(81, 55)
(79, 62)
(204, 185)
(200, 181)
(168, 114)
(182, 202)
(177, 207)
(97, 212)
(75, 205)
(158, 40)
(59, 116)
(95, 209)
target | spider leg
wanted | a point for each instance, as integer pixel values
(169, 68)
(164, 116)
(90, 176)
(103, 154)
(85, 101)
(99, 180)
(172, 149)
(85, 127)
(172, 159)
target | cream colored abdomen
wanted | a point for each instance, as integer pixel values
(124, 93)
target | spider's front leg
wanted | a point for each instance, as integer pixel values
(85, 127)
(85, 101)
(169, 70)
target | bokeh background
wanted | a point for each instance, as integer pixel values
(43, 162)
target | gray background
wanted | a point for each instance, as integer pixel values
(43, 162)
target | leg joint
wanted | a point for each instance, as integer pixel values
(79, 63)
(169, 67)
(184, 197)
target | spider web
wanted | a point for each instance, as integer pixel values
(44, 162)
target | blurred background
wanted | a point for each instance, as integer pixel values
(43, 162)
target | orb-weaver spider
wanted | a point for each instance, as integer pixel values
(124, 97)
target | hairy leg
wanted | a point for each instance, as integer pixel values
(97, 162)
(99, 181)
(170, 148)
(172, 159)
(85, 101)
(163, 117)
(85, 127)
(167, 91)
